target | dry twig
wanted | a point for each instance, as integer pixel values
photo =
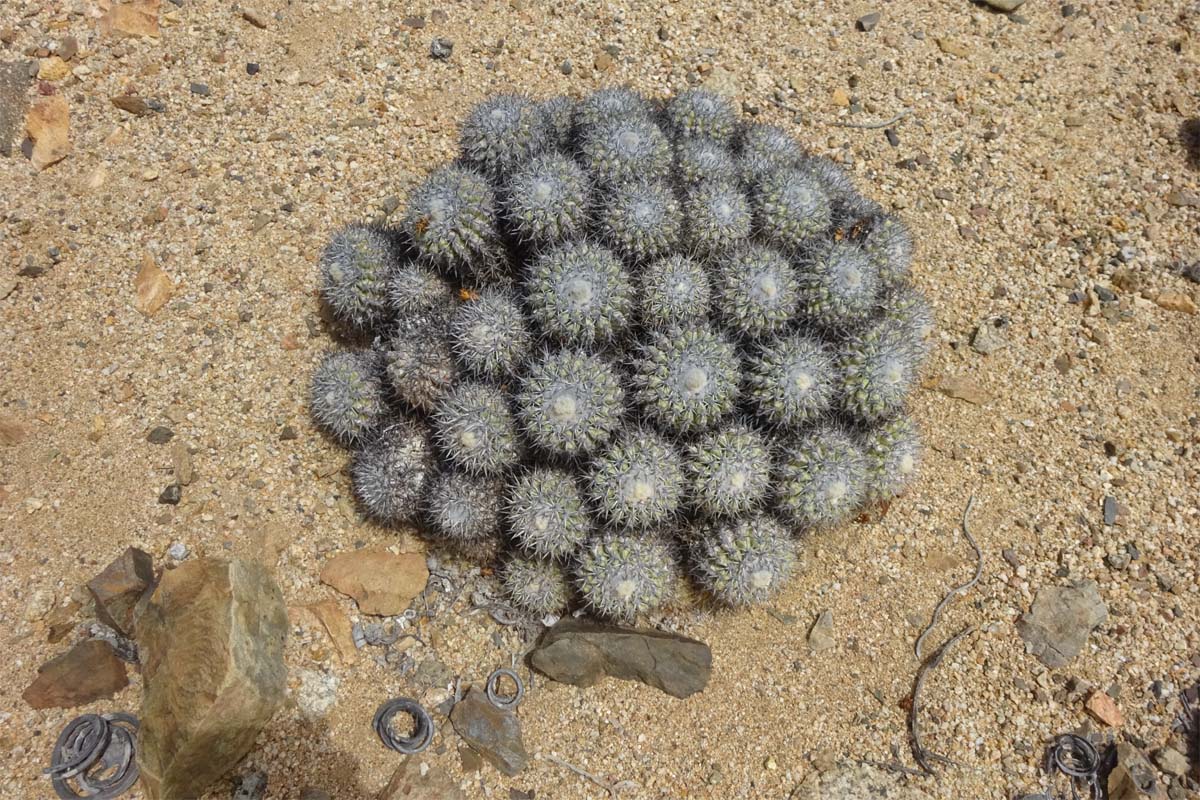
(613, 788)
(874, 125)
(920, 753)
(957, 590)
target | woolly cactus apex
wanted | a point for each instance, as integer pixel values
(463, 508)
(893, 451)
(890, 247)
(704, 160)
(390, 472)
(419, 363)
(718, 216)
(579, 294)
(355, 267)
(559, 113)
(346, 396)
(822, 478)
(489, 334)
(640, 219)
(451, 219)
(621, 576)
(906, 306)
(700, 113)
(474, 428)
(570, 403)
(756, 291)
(743, 561)
(879, 368)
(839, 286)
(547, 200)
(612, 103)
(675, 291)
(503, 132)
(792, 381)
(625, 149)
(766, 149)
(729, 471)
(638, 482)
(834, 180)
(413, 290)
(686, 379)
(546, 514)
(535, 586)
(791, 207)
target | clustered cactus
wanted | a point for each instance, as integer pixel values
(622, 343)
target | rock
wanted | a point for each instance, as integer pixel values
(604, 62)
(14, 79)
(88, 672)
(962, 388)
(413, 781)
(177, 551)
(48, 127)
(160, 434)
(820, 636)
(1104, 709)
(154, 287)
(252, 786)
(255, 17)
(953, 47)
(494, 733)
(170, 495)
(581, 652)
(317, 693)
(441, 48)
(860, 782)
(337, 626)
(989, 336)
(132, 104)
(1171, 761)
(1109, 509)
(840, 98)
(1131, 777)
(200, 89)
(122, 590)
(181, 464)
(380, 582)
(68, 48)
(137, 18)
(1182, 198)
(1176, 301)
(867, 22)
(1005, 5)
(1057, 627)
(313, 793)
(12, 431)
(52, 69)
(211, 643)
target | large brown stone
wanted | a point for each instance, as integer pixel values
(121, 588)
(493, 732)
(211, 643)
(88, 672)
(380, 582)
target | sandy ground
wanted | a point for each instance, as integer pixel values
(1038, 147)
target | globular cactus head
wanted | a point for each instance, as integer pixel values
(837, 184)
(792, 380)
(821, 477)
(612, 103)
(893, 452)
(701, 114)
(621, 576)
(879, 368)
(674, 292)
(536, 586)
(451, 218)
(464, 509)
(503, 132)
(391, 472)
(638, 481)
(791, 207)
(546, 200)
(419, 364)
(570, 403)
(640, 219)
(699, 160)
(559, 113)
(743, 561)
(728, 471)
(579, 294)
(623, 149)
(890, 247)
(489, 335)
(757, 293)
(839, 286)
(414, 290)
(355, 267)
(346, 395)
(686, 379)
(765, 150)
(907, 308)
(475, 429)
(717, 215)
(546, 513)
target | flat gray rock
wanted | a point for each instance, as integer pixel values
(1057, 627)
(857, 783)
(581, 652)
(492, 732)
(14, 80)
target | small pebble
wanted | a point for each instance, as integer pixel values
(178, 551)
(566, 67)
(160, 434)
(441, 48)
(252, 68)
(200, 89)
(867, 22)
(171, 495)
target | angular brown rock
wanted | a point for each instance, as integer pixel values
(581, 652)
(121, 588)
(133, 18)
(88, 672)
(48, 126)
(492, 732)
(154, 287)
(211, 643)
(380, 582)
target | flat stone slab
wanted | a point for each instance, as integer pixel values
(88, 672)
(492, 732)
(1057, 627)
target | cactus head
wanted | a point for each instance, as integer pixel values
(893, 450)
(464, 509)
(579, 294)
(729, 471)
(546, 201)
(640, 219)
(612, 103)
(503, 132)
(536, 586)
(686, 379)
(559, 113)
(451, 218)
(821, 478)
(346, 395)
(674, 292)
(701, 114)
(718, 216)
(765, 150)
(839, 286)
(475, 429)
(791, 207)
(756, 291)
(390, 473)
(419, 364)
(570, 403)
(792, 381)
(699, 160)
(621, 576)
(889, 246)
(834, 180)
(414, 290)
(879, 368)
(489, 335)
(638, 481)
(906, 306)
(743, 561)
(623, 149)
(546, 514)
(355, 268)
